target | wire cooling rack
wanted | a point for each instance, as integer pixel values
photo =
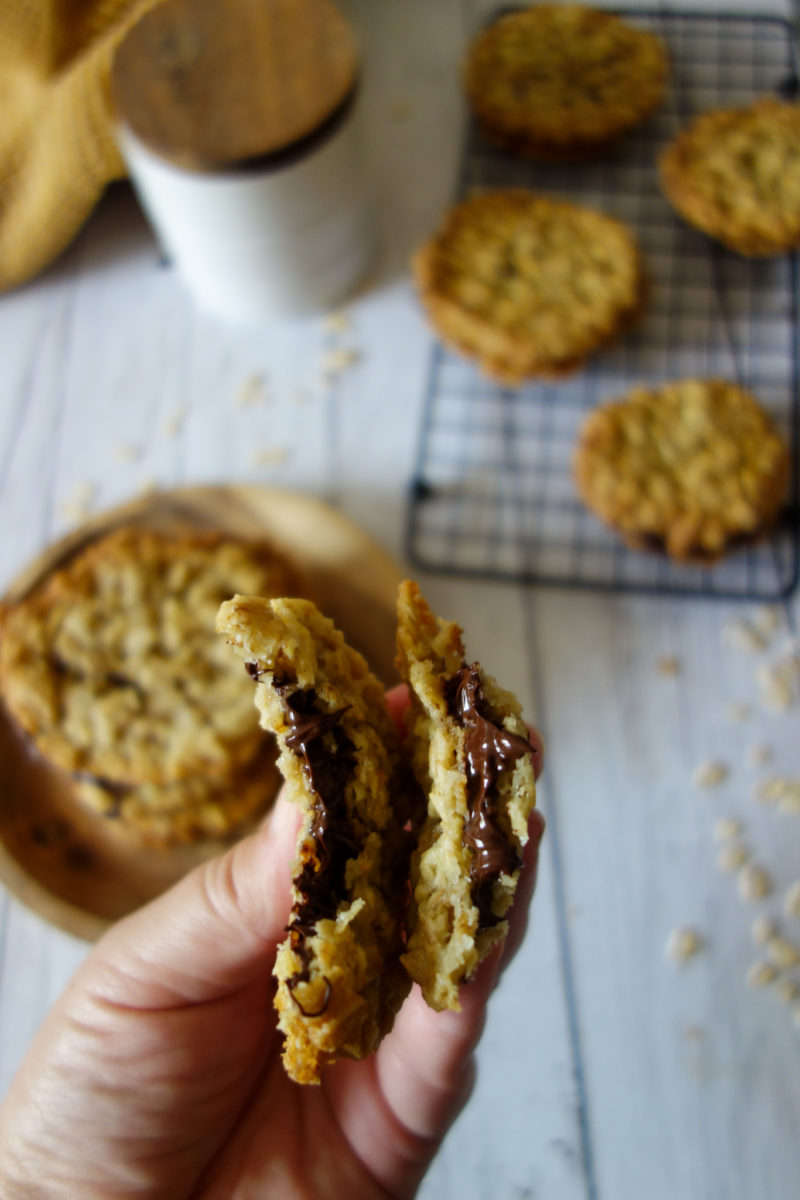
(493, 495)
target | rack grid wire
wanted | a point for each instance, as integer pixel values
(492, 495)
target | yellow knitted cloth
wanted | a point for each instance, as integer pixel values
(57, 148)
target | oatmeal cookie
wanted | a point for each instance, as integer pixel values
(693, 467)
(560, 82)
(735, 174)
(340, 982)
(471, 756)
(527, 285)
(111, 664)
(189, 810)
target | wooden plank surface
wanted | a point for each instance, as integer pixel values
(605, 1071)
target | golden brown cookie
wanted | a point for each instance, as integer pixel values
(339, 979)
(694, 468)
(735, 174)
(527, 285)
(189, 810)
(111, 665)
(471, 756)
(559, 82)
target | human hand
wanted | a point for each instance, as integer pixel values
(158, 1072)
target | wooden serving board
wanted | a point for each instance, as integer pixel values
(73, 867)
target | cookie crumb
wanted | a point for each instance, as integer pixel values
(77, 504)
(758, 755)
(147, 486)
(709, 774)
(740, 634)
(731, 857)
(753, 882)
(668, 665)
(726, 828)
(126, 453)
(782, 953)
(251, 392)
(173, 423)
(760, 975)
(791, 902)
(786, 990)
(269, 456)
(337, 322)
(767, 621)
(779, 682)
(682, 944)
(738, 711)
(334, 362)
(782, 792)
(763, 930)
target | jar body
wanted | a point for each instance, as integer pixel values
(291, 236)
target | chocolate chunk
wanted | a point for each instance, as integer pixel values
(490, 749)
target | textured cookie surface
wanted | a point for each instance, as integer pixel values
(112, 665)
(471, 756)
(527, 285)
(563, 81)
(340, 982)
(735, 174)
(694, 467)
(189, 810)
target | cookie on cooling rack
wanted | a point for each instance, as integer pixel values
(735, 174)
(559, 82)
(112, 667)
(527, 285)
(472, 758)
(340, 982)
(694, 468)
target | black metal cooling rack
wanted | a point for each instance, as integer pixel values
(493, 495)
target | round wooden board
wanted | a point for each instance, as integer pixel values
(72, 867)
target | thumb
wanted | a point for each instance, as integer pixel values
(211, 933)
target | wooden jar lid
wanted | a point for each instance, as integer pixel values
(215, 83)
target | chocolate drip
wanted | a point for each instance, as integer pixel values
(254, 670)
(328, 758)
(490, 749)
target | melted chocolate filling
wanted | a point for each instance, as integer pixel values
(328, 758)
(490, 749)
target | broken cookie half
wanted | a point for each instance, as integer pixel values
(340, 980)
(471, 755)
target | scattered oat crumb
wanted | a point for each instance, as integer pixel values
(763, 930)
(668, 665)
(298, 396)
(401, 110)
(147, 486)
(125, 453)
(786, 990)
(738, 711)
(683, 943)
(782, 792)
(334, 362)
(77, 504)
(337, 322)
(758, 755)
(709, 774)
(782, 953)
(171, 425)
(767, 621)
(251, 392)
(269, 456)
(760, 975)
(791, 901)
(739, 634)
(726, 828)
(753, 882)
(779, 682)
(731, 857)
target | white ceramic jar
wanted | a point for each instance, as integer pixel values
(266, 215)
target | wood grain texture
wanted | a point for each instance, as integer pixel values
(605, 1073)
(210, 84)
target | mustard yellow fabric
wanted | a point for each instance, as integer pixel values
(57, 148)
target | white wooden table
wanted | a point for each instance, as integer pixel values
(605, 1071)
